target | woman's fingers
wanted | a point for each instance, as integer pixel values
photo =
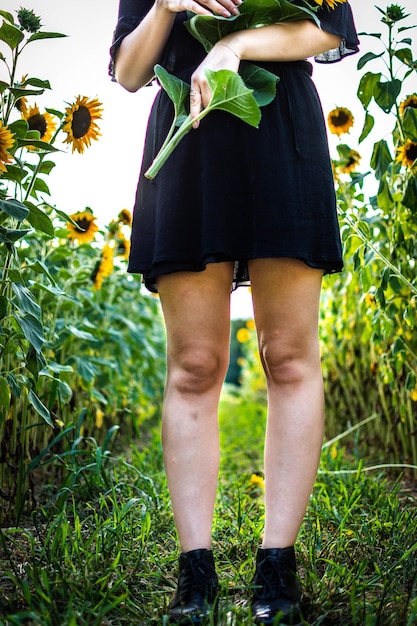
(226, 8)
(195, 105)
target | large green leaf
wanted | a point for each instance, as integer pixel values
(11, 235)
(40, 220)
(26, 301)
(262, 82)
(386, 93)
(369, 56)
(14, 209)
(44, 35)
(381, 158)
(40, 407)
(410, 123)
(4, 394)
(32, 329)
(366, 87)
(229, 93)
(367, 126)
(11, 35)
(7, 16)
(208, 29)
(410, 197)
(177, 90)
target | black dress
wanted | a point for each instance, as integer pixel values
(231, 192)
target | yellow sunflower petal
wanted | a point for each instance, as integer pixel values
(44, 123)
(80, 123)
(6, 142)
(407, 153)
(340, 120)
(86, 227)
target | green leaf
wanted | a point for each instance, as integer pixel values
(404, 54)
(209, 29)
(42, 145)
(7, 16)
(177, 90)
(14, 209)
(11, 235)
(44, 35)
(19, 128)
(11, 35)
(410, 123)
(262, 82)
(384, 198)
(367, 126)
(410, 197)
(229, 93)
(32, 330)
(4, 394)
(366, 87)
(37, 82)
(369, 56)
(381, 158)
(19, 92)
(81, 334)
(26, 301)
(386, 93)
(40, 220)
(3, 307)
(40, 407)
(35, 361)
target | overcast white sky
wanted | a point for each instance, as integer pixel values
(105, 176)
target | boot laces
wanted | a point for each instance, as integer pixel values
(269, 581)
(198, 577)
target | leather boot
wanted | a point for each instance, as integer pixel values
(197, 590)
(276, 589)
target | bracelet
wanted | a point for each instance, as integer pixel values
(231, 49)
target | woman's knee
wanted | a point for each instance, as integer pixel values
(288, 363)
(197, 371)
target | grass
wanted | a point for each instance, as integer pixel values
(105, 554)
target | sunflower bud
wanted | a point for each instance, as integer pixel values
(393, 13)
(28, 20)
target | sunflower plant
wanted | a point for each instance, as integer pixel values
(240, 93)
(370, 317)
(28, 140)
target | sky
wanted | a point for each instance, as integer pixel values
(104, 178)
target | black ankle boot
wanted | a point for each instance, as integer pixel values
(276, 588)
(197, 588)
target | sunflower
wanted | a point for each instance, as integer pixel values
(22, 105)
(42, 122)
(329, 3)
(104, 267)
(410, 101)
(123, 247)
(407, 153)
(6, 142)
(85, 229)
(350, 162)
(340, 120)
(80, 124)
(125, 217)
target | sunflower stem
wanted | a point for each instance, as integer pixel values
(168, 147)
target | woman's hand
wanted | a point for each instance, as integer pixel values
(225, 8)
(221, 57)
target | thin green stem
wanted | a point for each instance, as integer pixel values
(169, 147)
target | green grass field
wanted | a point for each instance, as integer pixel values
(103, 551)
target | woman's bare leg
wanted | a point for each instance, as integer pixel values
(196, 308)
(286, 296)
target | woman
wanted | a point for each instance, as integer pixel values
(234, 202)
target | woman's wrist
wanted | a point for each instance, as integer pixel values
(227, 45)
